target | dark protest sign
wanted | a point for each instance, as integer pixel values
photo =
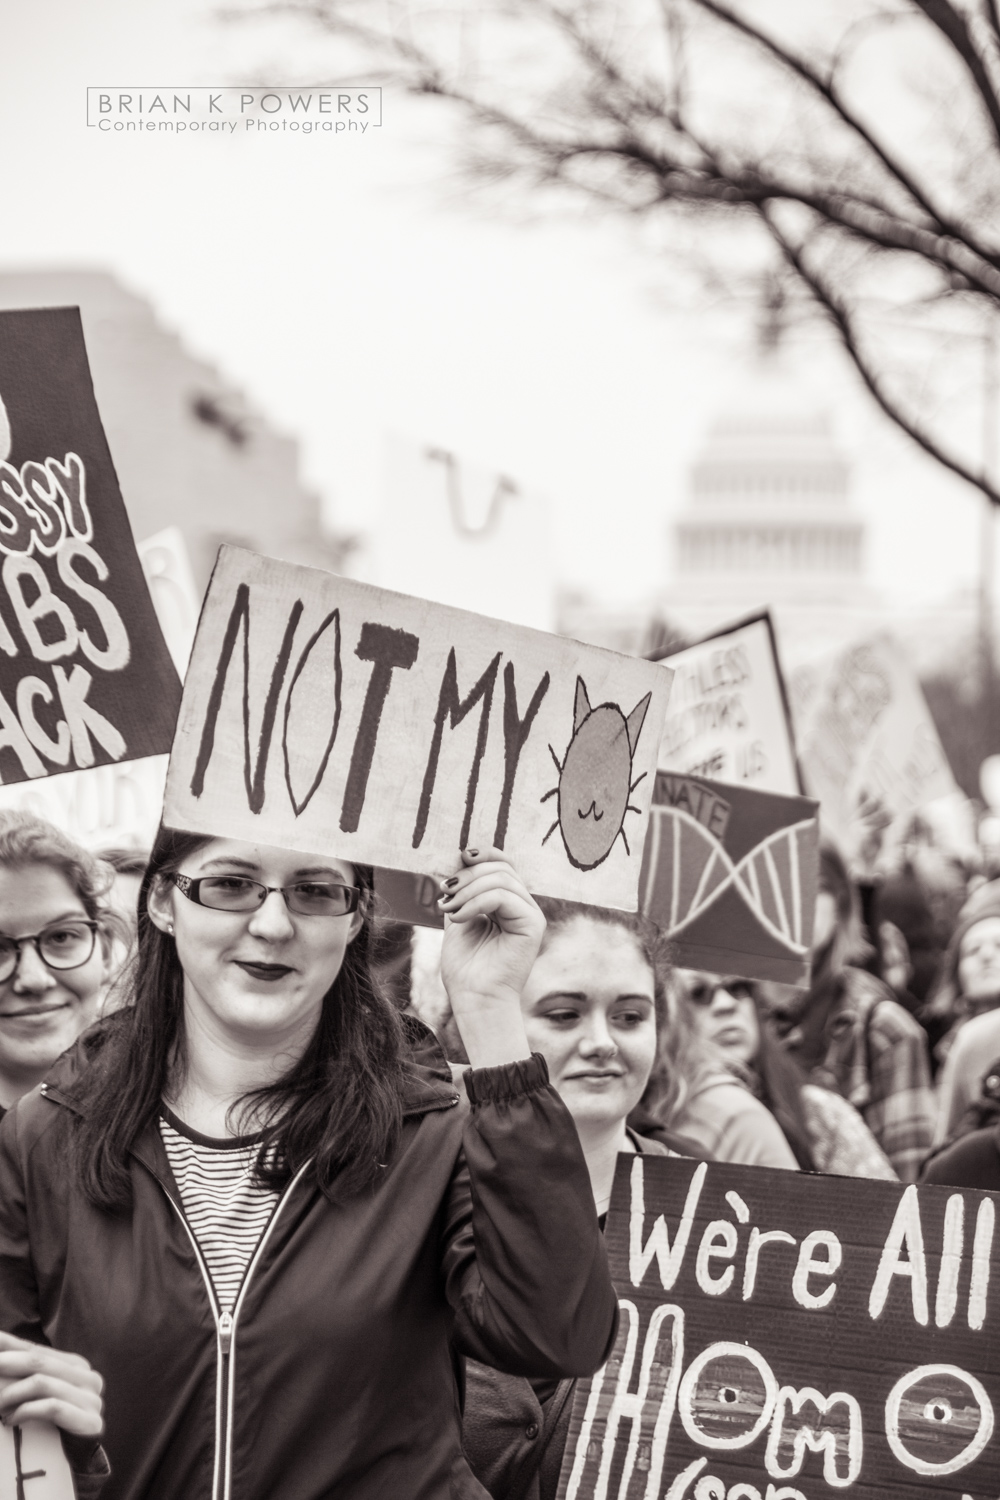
(85, 676)
(729, 873)
(792, 1337)
(329, 716)
(728, 716)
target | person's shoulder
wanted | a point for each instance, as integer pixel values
(977, 1036)
(972, 1161)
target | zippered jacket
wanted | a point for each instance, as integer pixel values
(334, 1376)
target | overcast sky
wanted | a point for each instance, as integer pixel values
(337, 282)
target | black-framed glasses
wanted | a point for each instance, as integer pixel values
(306, 898)
(61, 945)
(703, 989)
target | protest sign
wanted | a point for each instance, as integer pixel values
(791, 1337)
(729, 873)
(33, 1465)
(329, 716)
(167, 569)
(85, 676)
(868, 746)
(728, 716)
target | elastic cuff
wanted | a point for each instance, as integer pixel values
(508, 1081)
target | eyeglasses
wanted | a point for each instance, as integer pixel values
(306, 898)
(702, 991)
(62, 945)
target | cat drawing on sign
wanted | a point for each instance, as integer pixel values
(595, 779)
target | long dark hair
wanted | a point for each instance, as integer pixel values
(340, 1106)
(778, 1084)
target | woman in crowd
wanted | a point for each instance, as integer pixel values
(593, 1006)
(56, 936)
(266, 1223)
(972, 1157)
(848, 1034)
(825, 1133)
(966, 1005)
(708, 1101)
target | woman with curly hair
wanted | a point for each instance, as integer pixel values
(56, 935)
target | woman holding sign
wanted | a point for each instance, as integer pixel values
(262, 1212)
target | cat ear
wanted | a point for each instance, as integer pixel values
(635, 721)
(581, 707)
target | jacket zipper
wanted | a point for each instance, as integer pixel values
(225, 1331)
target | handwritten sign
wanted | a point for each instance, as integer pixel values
(869, 747)
(730, 874)
(33, 1465)
(728, 715)
(85, 676)
(326, 715)
(789, 1337)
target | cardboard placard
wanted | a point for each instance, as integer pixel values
(869, 748)
(33, 1465)
(792, 1337)
(333, 717)
(730, 874)
(85, 676)
(728, 717)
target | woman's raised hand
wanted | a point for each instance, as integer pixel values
(493, 930)
(42, 1384)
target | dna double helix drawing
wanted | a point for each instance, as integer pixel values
(686, 870)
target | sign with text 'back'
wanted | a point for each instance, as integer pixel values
(85, 676)
(329, 716)
(792, 1337)
(728, 716)
(730, 875)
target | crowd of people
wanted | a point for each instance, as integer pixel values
(295, 1201)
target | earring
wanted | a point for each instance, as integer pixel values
(170, 928)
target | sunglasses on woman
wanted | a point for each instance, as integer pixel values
(702, 991)
(306, 898)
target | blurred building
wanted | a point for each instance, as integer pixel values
(189, 450)
(769, 522)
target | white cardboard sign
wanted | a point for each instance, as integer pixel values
(33, 1465)
(329, 716)
(728, 717)
(868, 743)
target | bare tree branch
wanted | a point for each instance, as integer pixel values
(837, 311)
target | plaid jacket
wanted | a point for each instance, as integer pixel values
(876, 1057)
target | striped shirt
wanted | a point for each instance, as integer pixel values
(226, 1210)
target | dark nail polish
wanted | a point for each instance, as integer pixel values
(472, 853)
(450, 883)
(443, 900)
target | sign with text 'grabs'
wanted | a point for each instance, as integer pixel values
(333, 717)
(728, 716)
(85, 676)
(730, 875)
(790, 1337)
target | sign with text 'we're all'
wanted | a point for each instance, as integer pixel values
(329, 716)
(792, 1337)
(728, 717)
(730, 875)
(85, 677)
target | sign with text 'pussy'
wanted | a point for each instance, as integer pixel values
(329, 716)
(85, 676)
